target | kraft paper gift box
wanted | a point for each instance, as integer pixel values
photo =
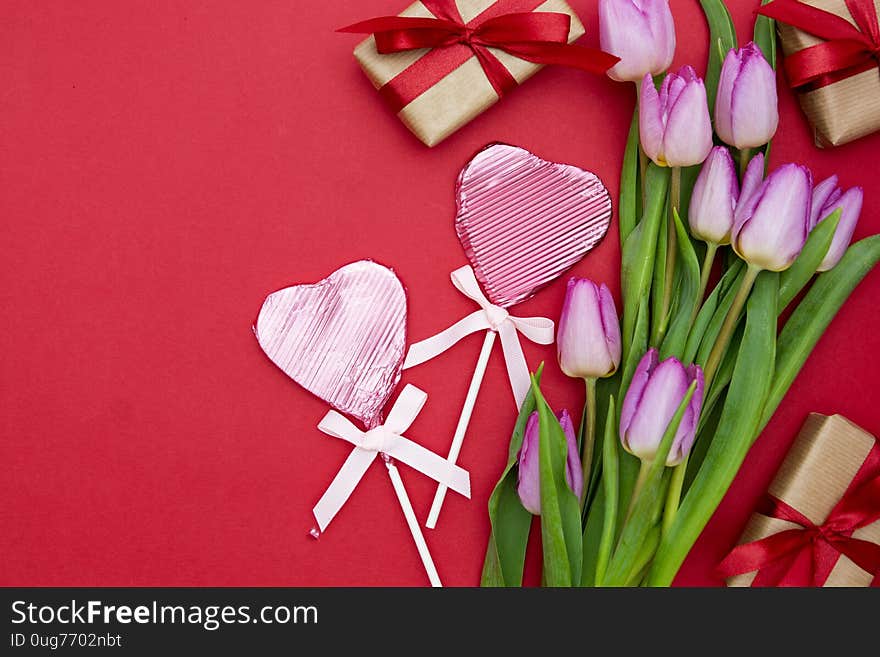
(831, 457)
(458, 97)
(843, 110)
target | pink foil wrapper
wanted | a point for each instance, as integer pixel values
(524, 221)
(342, 339)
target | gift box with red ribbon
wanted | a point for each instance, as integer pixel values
(832, 50)
(440, 63)
(819, 524)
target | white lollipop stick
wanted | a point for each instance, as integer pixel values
(463, 422)
(498, 321)
(413, 524)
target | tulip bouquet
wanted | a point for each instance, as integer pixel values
(713, 251)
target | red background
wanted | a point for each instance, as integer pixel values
(164, 165)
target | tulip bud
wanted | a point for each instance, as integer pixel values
(828, 197)
(528, 475)
(714, 198)
(656, 391)
(674, 124)
(772, 218)
(641, 33)
(746, 113)
(588, 339)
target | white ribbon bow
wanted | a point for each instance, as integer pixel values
(388, 440)
(494, 318)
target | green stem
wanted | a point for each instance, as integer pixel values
(644, 470)
(708, 261)
(643, 157)
(671, 252)
(611, 487)
(673, 497)
(589, 436)
(724, 335)
(745, 156)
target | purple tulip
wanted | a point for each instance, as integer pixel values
(654, 395)
(828, 197)
(588, 339)
(746, 113)
(714, 198)
(641, 33)
(674, 124)
(772, 218)
(528, 477)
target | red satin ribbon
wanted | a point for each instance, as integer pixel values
(847, 50)
(805, 556)
(509, 25)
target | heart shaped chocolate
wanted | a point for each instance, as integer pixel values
(342, 339)
(524, 221)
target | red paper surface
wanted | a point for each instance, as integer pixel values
(166, 164)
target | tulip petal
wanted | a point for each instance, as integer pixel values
(660, 398)
(714, 197)
(624, 31)
(851, 207)
(636, 389)
(822, 194)
(610, 325)
(583, 349)
(726, 83)
(574, 473)
(662, 28)
(687, 138)
(687, 430)
(750, 192)
(774, 234)
(651, 120)
(528, 476)
(754, 113)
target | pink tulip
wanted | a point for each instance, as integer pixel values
(528, 475)
(772, 218)
(746, 114)
(654, 395)
(588, 338)
(828, 197)
(714, 198)
(674, 124)
(641, 33)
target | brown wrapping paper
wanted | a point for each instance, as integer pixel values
(463, 94)
(825, 457)
(843, 111)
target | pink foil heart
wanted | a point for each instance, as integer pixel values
(524, 221)
(342, 339)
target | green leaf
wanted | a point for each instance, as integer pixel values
(592, 537)
(610, 486)
(644, 511)
(709, 310)
(715, 324)
(722, 37)
(793, 279)
(709, 418)
(658, 286)
(688, 288)
(629, 181)
(561, 531)
(736, 431)
(510, 522)
(765, 36)
(813, 314)
(637, 258)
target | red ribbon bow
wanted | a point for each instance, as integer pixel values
(846, 51)
(508, 25)
(806, 555)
